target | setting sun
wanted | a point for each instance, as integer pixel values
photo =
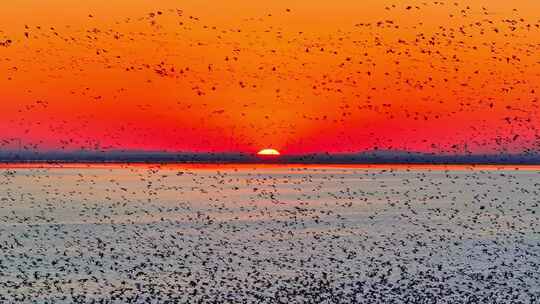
(268, 152)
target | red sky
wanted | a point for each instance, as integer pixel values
(312, 76)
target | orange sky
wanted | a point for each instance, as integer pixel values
(307, 76)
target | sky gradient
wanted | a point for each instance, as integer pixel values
(308, 76)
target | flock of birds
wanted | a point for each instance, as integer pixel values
(269, 234)
(264, 80)
(463, 81)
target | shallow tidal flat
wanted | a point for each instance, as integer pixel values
(269, 234)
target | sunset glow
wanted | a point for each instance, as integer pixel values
(308, 76)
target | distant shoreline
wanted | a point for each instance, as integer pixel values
(373, 157)
(210, 165)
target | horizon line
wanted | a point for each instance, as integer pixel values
(254, 152)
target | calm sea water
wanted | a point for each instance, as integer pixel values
(269, 233)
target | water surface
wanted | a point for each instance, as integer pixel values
(269, 233)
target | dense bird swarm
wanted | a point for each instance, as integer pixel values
(269, 234)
